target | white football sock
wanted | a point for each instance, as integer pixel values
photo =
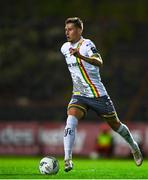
(125, 133)
(69, 136)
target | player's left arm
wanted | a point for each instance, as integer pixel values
(94, 59)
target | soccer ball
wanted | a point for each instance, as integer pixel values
(49, 165)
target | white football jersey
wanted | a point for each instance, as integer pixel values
(85, 76)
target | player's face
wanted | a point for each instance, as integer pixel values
(72, 32)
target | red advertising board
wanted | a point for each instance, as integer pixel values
(19, 138)
(33, 138)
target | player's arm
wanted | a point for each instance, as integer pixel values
(95, 59)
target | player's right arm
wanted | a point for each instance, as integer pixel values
(95, 59)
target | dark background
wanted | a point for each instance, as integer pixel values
(34, 81)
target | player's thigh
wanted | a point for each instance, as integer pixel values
(77, 107)
(106, 110)
(74, 111)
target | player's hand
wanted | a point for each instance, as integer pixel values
(75, 52)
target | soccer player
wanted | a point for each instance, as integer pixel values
(84, 62)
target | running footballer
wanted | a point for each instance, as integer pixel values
(84, 62)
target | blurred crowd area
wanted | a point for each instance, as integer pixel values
(34, 80)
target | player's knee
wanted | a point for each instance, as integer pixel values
(114, 123)
(75, 112)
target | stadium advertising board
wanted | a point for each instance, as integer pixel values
(32, 138)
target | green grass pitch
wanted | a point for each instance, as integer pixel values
(27, 168)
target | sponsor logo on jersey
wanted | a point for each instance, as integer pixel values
(73, 64)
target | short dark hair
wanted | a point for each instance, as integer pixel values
(76, 21)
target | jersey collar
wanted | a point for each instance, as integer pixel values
(76, 44)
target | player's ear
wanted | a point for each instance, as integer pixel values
(80, 31)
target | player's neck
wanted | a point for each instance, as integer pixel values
(76, 40)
